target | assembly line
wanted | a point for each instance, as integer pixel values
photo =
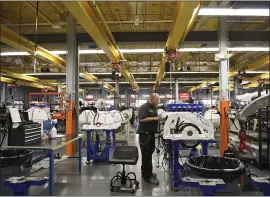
(104, 98)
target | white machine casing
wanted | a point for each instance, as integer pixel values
(101, 120)
(213, 116)
(206, 127)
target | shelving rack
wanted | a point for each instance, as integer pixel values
(263, 128)
(42, 102)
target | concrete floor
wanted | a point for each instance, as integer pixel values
(94, 180)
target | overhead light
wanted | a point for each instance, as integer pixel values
(142, 50)
(145, 82)
(248, 49)
(129, 51)
(59, 52)
(232, 12)
(256, 72)
(14, 53)
(91, 52)
(198, 49)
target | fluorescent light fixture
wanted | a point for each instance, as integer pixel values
(198, 50)
(59, 52)
(256, 72)
(249, 49)
(142, 50)
(14, 54)
(130, 51)
(91, 51)
(232, 12)
(144, 82)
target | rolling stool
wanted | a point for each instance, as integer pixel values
(124, 155)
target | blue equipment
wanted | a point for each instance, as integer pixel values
(94, 149)
(262, 183)
(207, 186)
(175, 167)
(21, 185)
(186, 107)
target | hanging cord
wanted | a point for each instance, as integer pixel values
(35, 60)
(36, 26)
(20, 43)
(19, 29)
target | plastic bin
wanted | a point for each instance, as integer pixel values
(15, 162)
(231, 170)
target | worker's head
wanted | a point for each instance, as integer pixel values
(154, 99)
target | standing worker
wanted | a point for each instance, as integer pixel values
(148, 126)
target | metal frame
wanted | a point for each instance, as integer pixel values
(93, 150)
(260, 127)
(51, 158)
(175, 167)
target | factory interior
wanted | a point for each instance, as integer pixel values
(137, 98)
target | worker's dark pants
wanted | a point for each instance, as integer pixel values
(147, 144)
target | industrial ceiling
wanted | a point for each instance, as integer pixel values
(128, 26)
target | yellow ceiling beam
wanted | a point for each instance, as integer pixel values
(82, 11)
(85, 15)
(24, 83)
(92, 78)
(11, 38)
(256, 64)
(259, 63)
(205, 23)
(34, 85)
(183, 21)
(217, 88)
(18, 76)
(211, 26)
(253, 80)
(6, 80)
(256, 78)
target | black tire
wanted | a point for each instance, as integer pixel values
(112, 189)
(137, 183)
(197, 128)
(132, 191)
(88, 162)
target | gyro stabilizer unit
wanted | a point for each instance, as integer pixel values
(189, 128)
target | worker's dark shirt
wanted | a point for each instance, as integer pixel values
(147, 110)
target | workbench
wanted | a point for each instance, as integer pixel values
(51, 145)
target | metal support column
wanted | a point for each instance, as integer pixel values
(126, 97)
(117, 91)
(72, 82)
(3, 92)
(223, 85)
(176, 91)
(59, 86)
(236, 86)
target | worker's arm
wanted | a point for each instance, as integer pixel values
(144, 115)
(149, 119)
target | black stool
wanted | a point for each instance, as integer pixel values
(124, 155)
